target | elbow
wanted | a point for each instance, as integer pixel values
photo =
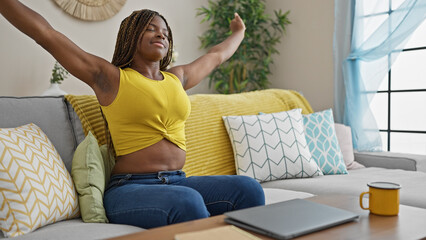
(44, 37)
(222, 59)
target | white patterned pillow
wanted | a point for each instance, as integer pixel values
(322, 141)
(271, 146)
(36, 189)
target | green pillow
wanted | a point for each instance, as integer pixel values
(90, 174)
(109, 162)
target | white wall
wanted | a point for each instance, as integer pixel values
(305, 63)
(25, 67)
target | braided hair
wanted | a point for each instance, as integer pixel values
(127, 39)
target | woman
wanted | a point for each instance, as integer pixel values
(146, 106)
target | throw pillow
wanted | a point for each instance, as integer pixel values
(109, 162)
(322, 141)
(271, 146)
(344, 136)
(89, 112)
(88, 173)
(36, 189)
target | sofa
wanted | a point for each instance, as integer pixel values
(67, 120)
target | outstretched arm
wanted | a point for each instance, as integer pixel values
(96, 72)
(191, 74)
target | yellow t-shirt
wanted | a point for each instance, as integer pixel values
(145, 111)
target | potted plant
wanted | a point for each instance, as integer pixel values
(248, 68)
(59, 74)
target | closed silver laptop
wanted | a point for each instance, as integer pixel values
(289, 219)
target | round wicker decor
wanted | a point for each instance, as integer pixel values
(91, 10)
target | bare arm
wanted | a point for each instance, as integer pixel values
(191, 74)
(99, 74)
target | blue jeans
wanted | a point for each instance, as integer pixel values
(158, 199)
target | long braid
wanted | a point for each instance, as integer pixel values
(164, 63)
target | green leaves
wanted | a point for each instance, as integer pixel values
(248, 68)
(59, 73)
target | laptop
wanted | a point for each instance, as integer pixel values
(289, 219)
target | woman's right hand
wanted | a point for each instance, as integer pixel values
(99, 74)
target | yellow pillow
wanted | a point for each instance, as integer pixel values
(36, 189)
(209, 151)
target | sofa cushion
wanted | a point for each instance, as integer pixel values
(36, 187)
(412, 192)
(393, 160)
(274, 195)
(49, 113)
(344, 136)
(88, 173)
(75, 123)
(322, 141)
(77, 229)
(271, 146)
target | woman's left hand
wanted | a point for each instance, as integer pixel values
(191, 74)
(237, 24)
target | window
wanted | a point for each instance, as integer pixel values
(400, 104)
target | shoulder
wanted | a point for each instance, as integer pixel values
(177, 72)
(172, 76)
(128, 73)
(125, 71)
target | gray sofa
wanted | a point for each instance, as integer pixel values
(56, 117)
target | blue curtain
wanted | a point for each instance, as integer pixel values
(363, 63)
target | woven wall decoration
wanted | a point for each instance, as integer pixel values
(91, 10)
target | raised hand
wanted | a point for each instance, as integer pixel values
(237, 24)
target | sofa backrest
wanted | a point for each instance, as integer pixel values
(209, 150)
(51, 114)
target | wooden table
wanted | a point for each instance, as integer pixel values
(409, 224)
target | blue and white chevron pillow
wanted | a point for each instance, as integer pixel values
(271, 146)
(323, 143)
